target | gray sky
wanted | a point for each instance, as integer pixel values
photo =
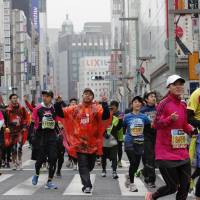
(79, 11)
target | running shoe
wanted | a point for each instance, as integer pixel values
(192, 185)
(148, 196)
(7, 165)
(119, 164)
(151, 185)
(50, 185)
(75, 167)
(127, 181)
(35, 180)
(58, 174)
(139, 173)
(133, 187)
(103, 174)
(14, 166)
(19, 166)
(87, 190)
(114, 175)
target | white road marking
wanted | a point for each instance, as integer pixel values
(3, 177)
(26, 187)
(75, 187)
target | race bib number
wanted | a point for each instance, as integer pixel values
(85, 119)
(48, 124)
(137, 131)
(179, 139)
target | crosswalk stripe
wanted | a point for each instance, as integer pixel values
(75, 187)
(125, 163)
(26, 187)
(125, 191)
(3, 177)
(28, 163)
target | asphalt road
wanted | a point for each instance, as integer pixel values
(16, 185)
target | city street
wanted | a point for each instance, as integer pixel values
(17, 185)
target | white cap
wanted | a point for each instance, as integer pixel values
(173, 78)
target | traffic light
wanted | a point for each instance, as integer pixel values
(97, 78)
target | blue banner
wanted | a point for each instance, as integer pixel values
(35, 15)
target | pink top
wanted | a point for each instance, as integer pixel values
(35, 116)
(164, 125)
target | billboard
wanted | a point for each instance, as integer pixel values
(24, 5)
(193, 61)
(35, 15)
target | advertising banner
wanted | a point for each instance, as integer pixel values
(35, 15)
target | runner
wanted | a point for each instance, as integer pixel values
(114, 106)
(83, 123)
(149, 140)
(73, 102)
(110, 145)
(16, 122)
(44, 138)
(193, 110)
(60, 149)
(172, 155)
(135, 124)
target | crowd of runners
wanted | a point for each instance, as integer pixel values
(162, 133)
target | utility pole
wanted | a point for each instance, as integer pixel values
(172, 52)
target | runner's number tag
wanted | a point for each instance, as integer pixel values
(179, 139)
(137, 130)
(48, 123)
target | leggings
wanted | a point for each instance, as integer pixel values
(177, 179)
(134, 160)
(120, 150)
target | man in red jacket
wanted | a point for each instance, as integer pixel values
(16, 122)
(84, 127)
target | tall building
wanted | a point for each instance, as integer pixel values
(54, 56)
(43, 45)
(94, 40)
(21, 55)
(94, 73)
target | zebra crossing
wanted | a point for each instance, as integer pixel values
(71, 188)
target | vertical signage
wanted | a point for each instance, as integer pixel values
(35, 15)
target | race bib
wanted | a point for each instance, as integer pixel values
(48, 124)
(179, 139)
(137, 130)
(85, 119)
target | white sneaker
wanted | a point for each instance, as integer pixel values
(14, 166)
(103, 174)
(127, 181)
(20, 165)
(75, 166)
(133, 188)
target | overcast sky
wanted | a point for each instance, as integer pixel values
(79, 11)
